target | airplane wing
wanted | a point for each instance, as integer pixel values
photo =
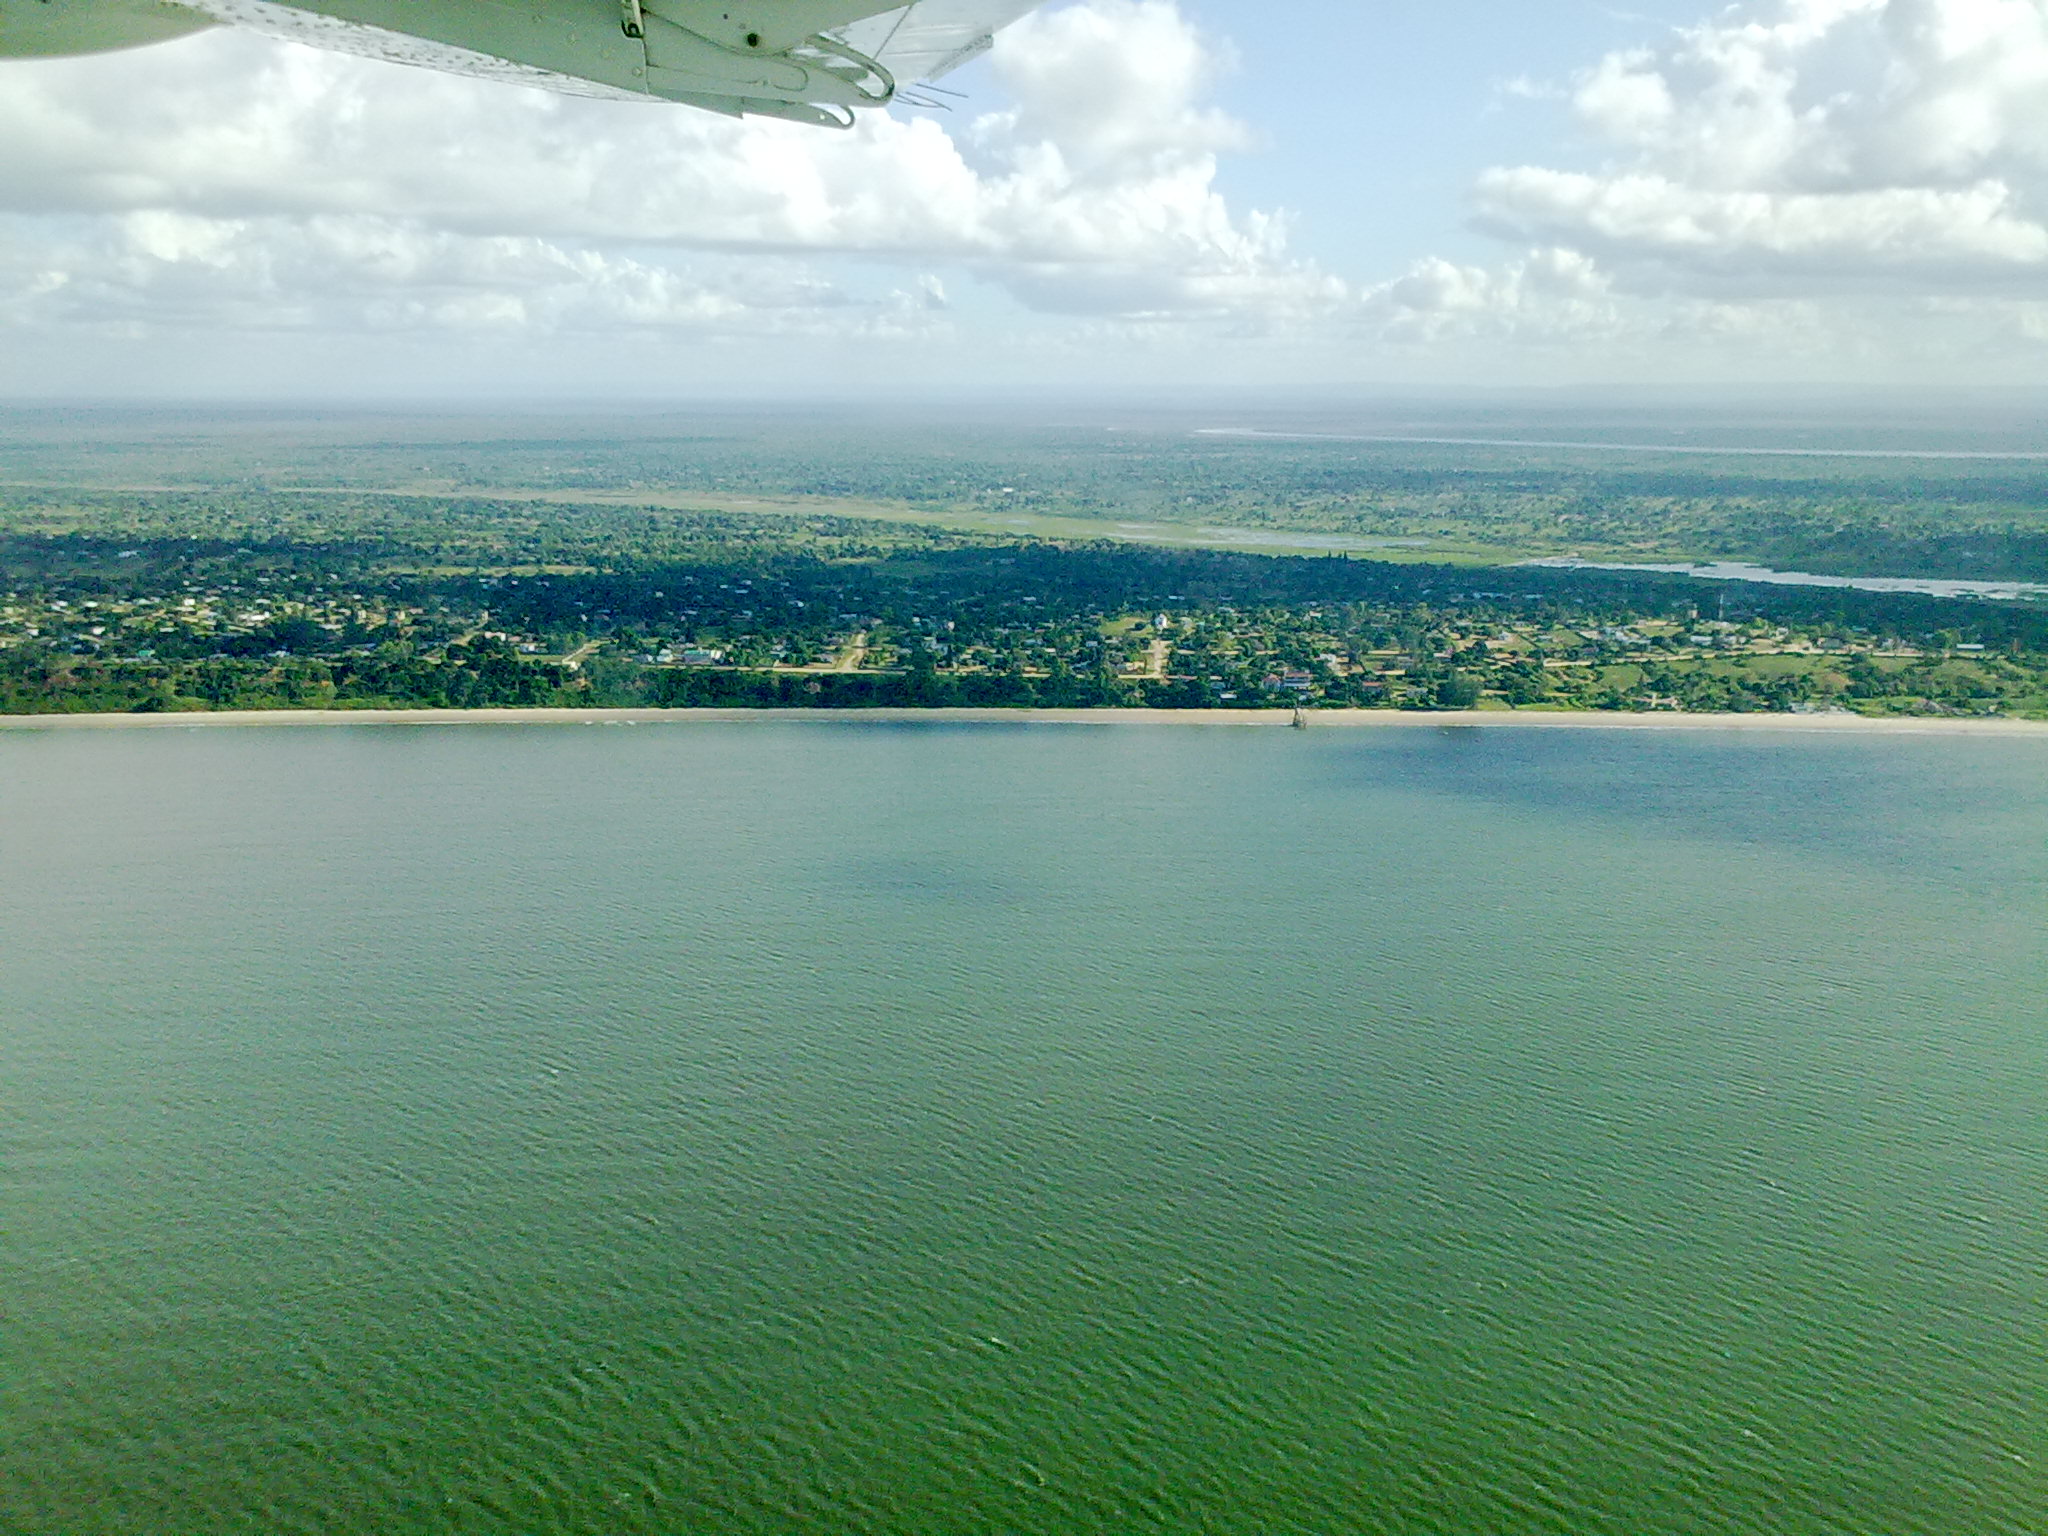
(930, 39)
(810, 61)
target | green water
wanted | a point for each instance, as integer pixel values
(847, 1129)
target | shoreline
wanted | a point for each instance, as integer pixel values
(1315, 719)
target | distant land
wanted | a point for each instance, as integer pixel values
(1547, 444)
(177, 562)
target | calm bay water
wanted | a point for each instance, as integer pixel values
(925, 1129)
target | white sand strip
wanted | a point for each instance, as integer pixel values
(1321, 719)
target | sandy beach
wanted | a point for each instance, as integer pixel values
(1314, 719)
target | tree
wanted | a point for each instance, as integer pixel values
(1458, 690)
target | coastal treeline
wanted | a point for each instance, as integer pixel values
(180, 601)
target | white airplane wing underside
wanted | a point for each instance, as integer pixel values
(811, 61)
(932, 38)
(341, 34)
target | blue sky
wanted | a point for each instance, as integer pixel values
(1136, 193)
(1378, 163)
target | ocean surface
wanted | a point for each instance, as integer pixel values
(934, 1129)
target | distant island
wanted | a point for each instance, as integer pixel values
(246, 595)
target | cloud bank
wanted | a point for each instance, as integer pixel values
(233, 181)
(1821, 185)
(1790, 186)
(1897, 145)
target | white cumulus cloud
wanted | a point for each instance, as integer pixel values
(1803, 145)
(230, 180)
(1549, 294)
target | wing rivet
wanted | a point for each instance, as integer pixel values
(753, 39)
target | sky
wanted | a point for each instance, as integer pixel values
(1132, 194)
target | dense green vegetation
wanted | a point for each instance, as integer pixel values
(267, 598)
